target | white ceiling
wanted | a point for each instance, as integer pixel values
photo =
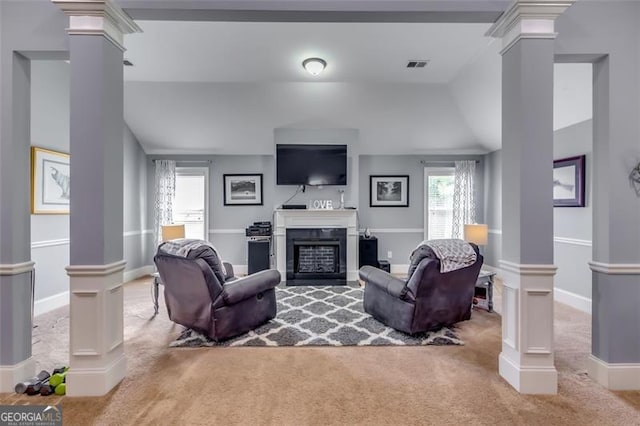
(273, 52)
(224, 87)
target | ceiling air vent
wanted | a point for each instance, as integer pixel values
(417, 63)
(127, 63)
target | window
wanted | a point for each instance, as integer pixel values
(438, 185)
(190, 203)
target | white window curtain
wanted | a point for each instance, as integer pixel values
(464, 206)
(165, 195)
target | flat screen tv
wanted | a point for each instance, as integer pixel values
(311, 164)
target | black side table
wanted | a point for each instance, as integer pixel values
(483, 296)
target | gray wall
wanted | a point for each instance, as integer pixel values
(572, 226)
(50, 129)
(228, 222)
(584, 33)
(136, 227)
(607, 34)
(29, 28)
(26, 27)
(493, 207)
(388, 219)
(233, 219)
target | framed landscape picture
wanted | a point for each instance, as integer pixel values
(243, 190)
(50, 179)
(568, 182)
(389, 191)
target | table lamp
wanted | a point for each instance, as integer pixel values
(476, 233)
(172, 232)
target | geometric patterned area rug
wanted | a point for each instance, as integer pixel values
(321, 316)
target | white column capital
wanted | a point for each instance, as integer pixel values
(528, 19)
(98, 17)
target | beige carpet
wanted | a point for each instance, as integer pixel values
(330, 385)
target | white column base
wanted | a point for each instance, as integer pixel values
(96, 358)
(10, 375)
(620, 377)
(526, 361)
(528, 380)
(96, 381)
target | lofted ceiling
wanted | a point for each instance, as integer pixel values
(224, 87)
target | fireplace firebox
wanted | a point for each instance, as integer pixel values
(316, 254)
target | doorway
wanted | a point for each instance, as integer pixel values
(438, 202)
(191, 201)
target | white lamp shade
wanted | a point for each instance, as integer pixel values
(314, 66)
(476, 233)
(172, 232)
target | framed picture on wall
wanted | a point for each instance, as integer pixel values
(243, 190)
(50, 178)
(389, 191)
(568, 182)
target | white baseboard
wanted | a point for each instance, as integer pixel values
(137, 273)
(12, 374)
(528, 380)
(59, 300)
(620, 377)
(399, 268)
(48, 304)
(576, 301)
(240, 269)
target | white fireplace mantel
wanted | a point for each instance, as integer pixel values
(300, 219)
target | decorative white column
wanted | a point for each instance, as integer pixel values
(97, 361)
(527, 32)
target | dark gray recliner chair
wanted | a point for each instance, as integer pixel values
(201, 293)
(426, 301)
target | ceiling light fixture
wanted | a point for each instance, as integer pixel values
(314, 66)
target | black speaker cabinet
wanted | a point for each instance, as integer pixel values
(258, 256)
(368, 251)
(385, 266)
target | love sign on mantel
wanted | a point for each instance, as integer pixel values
(321, 205)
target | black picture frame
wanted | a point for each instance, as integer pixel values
(388, 190)
(569, 182)
(244, 189)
